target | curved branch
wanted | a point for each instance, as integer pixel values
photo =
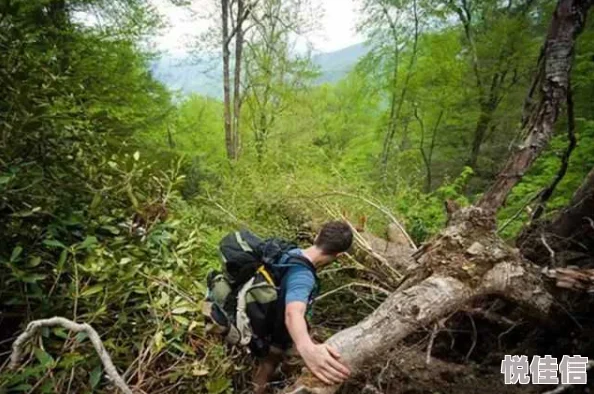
(34, 326)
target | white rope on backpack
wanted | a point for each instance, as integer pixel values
(242, 321)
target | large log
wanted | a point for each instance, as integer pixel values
(467, 261)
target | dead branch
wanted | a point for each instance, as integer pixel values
(430, 344)
(34, 326)
(543, 239)
(380, 208)
(353, 284)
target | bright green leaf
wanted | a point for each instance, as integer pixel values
(180, 310)
(34, 262)
(62, 259)
(16, 252)
(81, 336)
(89, 241)
(181, 320)
(91, 290)
(54, 243)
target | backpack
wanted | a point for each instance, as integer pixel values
(244, 296)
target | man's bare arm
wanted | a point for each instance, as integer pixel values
(322, 360)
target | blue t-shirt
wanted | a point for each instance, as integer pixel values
(299, 282)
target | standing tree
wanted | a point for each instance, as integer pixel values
(387, 27)
(274, 77)
(496, 59)
(233, 15)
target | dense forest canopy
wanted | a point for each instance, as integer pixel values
(114, 191)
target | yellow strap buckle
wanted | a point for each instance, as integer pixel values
(266, 275)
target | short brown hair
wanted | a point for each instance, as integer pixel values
(334, 237)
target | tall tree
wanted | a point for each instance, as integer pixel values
(233, 15)
(392, 35)
(274, 76)
(496, 59)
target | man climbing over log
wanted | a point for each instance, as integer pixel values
(265, 294)
(298, 288)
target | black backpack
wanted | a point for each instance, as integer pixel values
(258, 267)
(243, 253)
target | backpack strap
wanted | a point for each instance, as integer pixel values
(298, 259)
(292, 260)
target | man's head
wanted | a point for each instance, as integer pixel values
(333, 239)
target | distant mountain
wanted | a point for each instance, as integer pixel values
(187, 75)
(335, 65)
(181, 73)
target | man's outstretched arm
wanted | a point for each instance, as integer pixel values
(321, 359)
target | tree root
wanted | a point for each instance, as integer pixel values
(34, 326)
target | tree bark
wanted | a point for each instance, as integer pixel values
(239, 37)
(229, 143)
(553, 82)
(395, 108)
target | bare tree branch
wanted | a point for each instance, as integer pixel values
(34, 326)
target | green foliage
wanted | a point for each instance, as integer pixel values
(93, 225)
(113, 198)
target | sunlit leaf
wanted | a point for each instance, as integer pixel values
(180, 310)
(218, 386)
(91, 290)
(182, 320)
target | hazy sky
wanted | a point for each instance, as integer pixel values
(337, 24)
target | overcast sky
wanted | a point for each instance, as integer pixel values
(337, 25)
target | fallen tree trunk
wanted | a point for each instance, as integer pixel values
(468, 260)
